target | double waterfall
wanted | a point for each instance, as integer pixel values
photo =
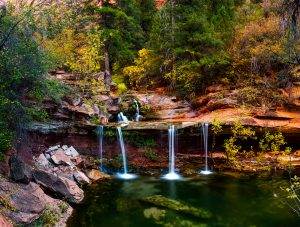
(172, 175)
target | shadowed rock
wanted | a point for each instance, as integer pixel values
(60, 185)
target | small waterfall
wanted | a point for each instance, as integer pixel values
(172, 175)
(100, 141)
(137, 114)
(122, 117)
(125, 174)
(204, 130)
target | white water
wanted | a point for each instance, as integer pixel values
(125, 175)
(122, 117)
(137, 114)
(172, 175)
(204, 128)
(100, 140)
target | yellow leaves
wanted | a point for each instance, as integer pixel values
(146, 63)
(81, 53)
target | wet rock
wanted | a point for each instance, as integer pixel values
(71, 151)
(59, 157)
(96, 175)
(81, 178)
(19, 170)
(62, 186)
(161, 201)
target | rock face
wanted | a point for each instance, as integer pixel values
(164, 107)
(60, 185)
(20, 171)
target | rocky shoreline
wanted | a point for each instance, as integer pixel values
(46, 190)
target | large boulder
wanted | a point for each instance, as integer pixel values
(81, 178)
(60, 185)
(19, 170)
(59, 157)
(22, 203)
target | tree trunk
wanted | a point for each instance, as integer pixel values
(107, 65)
(106, 54)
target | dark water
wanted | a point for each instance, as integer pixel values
(232, 200)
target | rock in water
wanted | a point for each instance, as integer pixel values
(95, 175)
(20, 171)
(60, 185)
(161, 201)
(81, 178)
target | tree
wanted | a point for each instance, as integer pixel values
(189, 35)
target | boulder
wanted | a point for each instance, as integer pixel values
(81, 178)
(23, 203)
(59, 157)
(60, 185)
(71, 151)
(50, 149)
(96, 175)
(19, 170)
(42, 161)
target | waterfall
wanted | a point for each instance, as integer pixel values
(172, 175)
(100, 141)
(204, 127)
(137, 114)
(125, 174)
(171, 149)
(122, 117)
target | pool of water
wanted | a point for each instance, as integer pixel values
(213, 200)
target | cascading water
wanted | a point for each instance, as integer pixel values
(204, 130)
(122, 117)
(172, 175)
(137, 114)
(125, 174)
(100, 130)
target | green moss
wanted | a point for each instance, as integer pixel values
(161, 201)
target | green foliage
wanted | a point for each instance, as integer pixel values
(140, 141)
(49, 217)
(152, 155)
(63, 206)
(239, 133)
(216, 129)
(23, 73)
(272, 142)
